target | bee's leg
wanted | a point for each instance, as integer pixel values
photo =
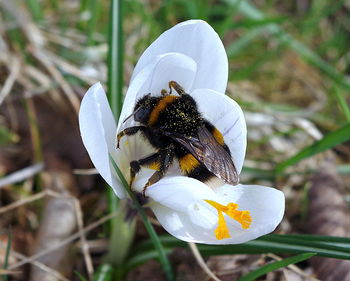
(129, 132)
(134, 169)
(166, 157)
(177, 88)
(151, 161)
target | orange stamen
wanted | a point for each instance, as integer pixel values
(243, 217)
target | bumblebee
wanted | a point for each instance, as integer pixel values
(176, 130)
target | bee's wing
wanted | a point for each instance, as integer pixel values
(209, 152)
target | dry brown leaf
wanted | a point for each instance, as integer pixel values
(58, 222)
(231, 267)
(329, 215)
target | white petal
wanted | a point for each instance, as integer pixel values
(156, 76)
(173, 66)
(198, 222)
(227, 116)
(179, 192)
(198, 40)
(180, 225)
(98, 131)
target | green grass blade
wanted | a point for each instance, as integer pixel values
(308, 237)
(116, 57)
(83, 5)
(7, 255)
(320, 241)
(103, 273)
(252, 23)
(153, 235)
(274, 266)
(35, 8)
(142, 257)
(320, 13)
(342, 103)
(325, 246)
(6, 136)
(54, 4)
(93, 11)
(80, 276)
(280, 244)
(241, 43)
(225, 24)
(332, 139)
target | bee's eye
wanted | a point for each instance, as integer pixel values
(141, 114)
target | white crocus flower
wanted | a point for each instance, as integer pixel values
(192, 54)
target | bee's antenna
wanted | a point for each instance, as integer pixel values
(127, 118)
(174, 85)
(133, 114)
(164, 92)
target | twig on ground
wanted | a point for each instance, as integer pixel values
(40, 55)
(14, 66)
(70, 68)
(21, 202)
(84, 245)
(64, 242)
(85, 172)
(201, 261)
(21, 175)
(40, 265)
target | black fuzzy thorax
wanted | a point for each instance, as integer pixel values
(181, 117)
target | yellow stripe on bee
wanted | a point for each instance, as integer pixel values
(218, 136)
(188, 163)
(154, 166)
(161, 105)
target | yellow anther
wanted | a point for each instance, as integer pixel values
(243, 217)
(232, 207)
(221, 232)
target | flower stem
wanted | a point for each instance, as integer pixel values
(154, 237)
(122, 232)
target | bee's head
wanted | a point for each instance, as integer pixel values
(143, 109)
